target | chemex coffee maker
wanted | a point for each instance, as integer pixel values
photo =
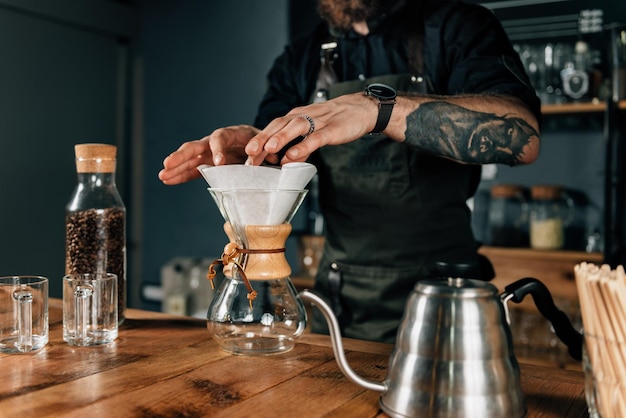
(256, 310)
(453, 355)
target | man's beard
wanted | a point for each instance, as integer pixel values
(343, 13)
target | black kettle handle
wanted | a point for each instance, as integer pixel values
(545, 304)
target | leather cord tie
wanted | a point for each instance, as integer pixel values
(231, 251)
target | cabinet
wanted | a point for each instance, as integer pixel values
(583, 151)
(547, 35)
(614, 134)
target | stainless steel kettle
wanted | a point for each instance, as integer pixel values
(453, 355)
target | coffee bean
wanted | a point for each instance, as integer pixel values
(95, 242)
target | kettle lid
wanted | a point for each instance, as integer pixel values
(456, 287)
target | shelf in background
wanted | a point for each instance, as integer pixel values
(545, 255)
(554, 268)
(512, 264)
(587, 107)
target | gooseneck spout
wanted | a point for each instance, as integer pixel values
(335, 336)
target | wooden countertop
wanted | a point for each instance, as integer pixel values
(167, 366)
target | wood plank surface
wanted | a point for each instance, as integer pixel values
(166, 366)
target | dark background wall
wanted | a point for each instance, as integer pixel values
(62, 78)
(204, 66)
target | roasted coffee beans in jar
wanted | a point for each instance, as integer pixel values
(95, 219)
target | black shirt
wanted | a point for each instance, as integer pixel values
(465, 50)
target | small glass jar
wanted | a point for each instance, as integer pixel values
(95, 219)
(508, 216)
(552, 210)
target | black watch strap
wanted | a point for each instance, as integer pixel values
(386, 97)
(384, 115)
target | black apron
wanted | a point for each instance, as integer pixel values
(367, 275)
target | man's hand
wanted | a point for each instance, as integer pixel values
(337, 121)
(223, 146)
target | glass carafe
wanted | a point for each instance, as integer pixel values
(95, 219)
(256, 310)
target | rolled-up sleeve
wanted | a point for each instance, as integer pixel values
(477, 56)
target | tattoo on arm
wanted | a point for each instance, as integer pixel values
(452, 131)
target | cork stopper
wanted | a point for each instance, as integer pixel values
(506, 190)
(546, 192)
(95, 158)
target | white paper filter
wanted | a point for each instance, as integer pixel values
(260, 208)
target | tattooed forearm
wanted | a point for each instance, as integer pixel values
(452, 131)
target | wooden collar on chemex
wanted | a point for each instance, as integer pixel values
(231, 251)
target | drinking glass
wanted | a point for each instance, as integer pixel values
(90, 309)
(23, 313)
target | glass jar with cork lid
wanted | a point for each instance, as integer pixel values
(95, 219)
(552, 210)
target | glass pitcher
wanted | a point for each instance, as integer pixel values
(256, 310)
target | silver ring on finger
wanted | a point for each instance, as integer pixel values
(311, 123)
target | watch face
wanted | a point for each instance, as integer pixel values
(381, 91)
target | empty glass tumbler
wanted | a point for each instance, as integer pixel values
(23, 313)
(90, 309)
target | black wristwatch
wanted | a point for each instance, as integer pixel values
(386, 97)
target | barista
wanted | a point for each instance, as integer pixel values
(416, 96)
